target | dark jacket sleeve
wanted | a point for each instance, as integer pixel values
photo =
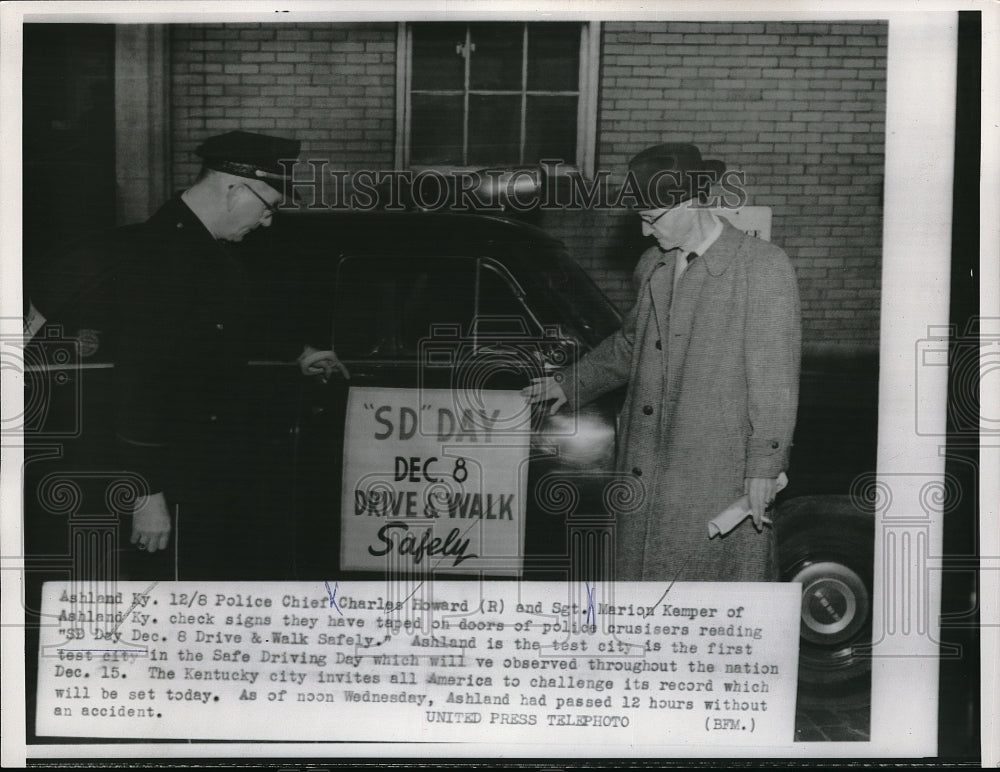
(147, 343)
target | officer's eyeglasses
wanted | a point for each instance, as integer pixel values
(270, 209)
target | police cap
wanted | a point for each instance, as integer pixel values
(254, 156)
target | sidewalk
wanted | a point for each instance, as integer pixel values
(833, 724)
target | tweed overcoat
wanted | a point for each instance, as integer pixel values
(712, 370)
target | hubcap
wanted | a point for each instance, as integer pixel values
(834, 603)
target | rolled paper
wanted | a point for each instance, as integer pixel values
(737, 512)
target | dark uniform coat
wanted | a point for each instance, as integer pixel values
(176, 302)
(182, 349)
(712, 374)
(184, 416)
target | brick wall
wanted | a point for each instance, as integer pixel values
(798, 106)
(333, 86)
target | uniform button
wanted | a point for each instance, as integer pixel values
(775, 444)
(637, 471)
(220, 326)
(648, 410)
(213, 417)
(180, 225)
(659, 345)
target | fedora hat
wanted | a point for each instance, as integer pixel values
(671, 173)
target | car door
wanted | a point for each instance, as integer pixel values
(455, 323)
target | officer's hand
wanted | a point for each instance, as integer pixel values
(151, 523)
(321, 363)
(761, 492)
(544, 389)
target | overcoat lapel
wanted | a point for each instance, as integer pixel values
(682, 313)
(660, 288)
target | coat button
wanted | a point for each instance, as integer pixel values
(775, 444)
(637, 471)
(213, 417)
(648, 410)
(659, 345)
(180, 225)
(220, 326)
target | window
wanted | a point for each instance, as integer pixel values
(497, 94)
(388, 308)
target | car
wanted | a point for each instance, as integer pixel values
(465, 305)
(825, 523)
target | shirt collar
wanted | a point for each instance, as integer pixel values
(713, 234)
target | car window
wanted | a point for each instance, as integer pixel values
(499, 311)
(565, 291)
(386, 306)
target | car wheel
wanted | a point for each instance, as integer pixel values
(827, 544)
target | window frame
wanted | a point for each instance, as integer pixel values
(586, 116)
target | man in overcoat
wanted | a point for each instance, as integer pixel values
(710, 352)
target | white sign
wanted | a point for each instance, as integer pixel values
(755, 220)
(434, 480)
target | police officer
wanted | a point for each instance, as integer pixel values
(184, 417)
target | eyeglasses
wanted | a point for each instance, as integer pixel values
(650, 220)
(271, 209)
(685, 204)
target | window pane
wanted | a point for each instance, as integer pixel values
(436, 64)
(434, 294)
(364, 325)
(553, 57)
(500, 312)
(496, 60)
(550, 128)
(494, 129)
(436, 129)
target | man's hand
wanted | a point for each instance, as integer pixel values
(151, 523)
(322, 363)
(544, 389)
(761, 492)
